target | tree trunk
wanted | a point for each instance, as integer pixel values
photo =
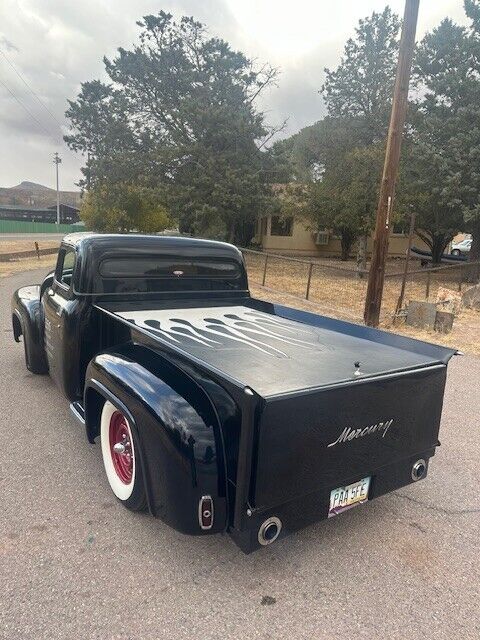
(231, 233)
(242, 233)
(436, 242)
(472, 274)
(347, 241)
(474, 253)
(438, 247)
(362, 256)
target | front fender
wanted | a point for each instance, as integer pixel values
(27, 320)
(177, 428)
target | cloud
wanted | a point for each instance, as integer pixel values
(56, 45)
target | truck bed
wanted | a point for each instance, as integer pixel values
(274, 349)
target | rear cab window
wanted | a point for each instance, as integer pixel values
(164, 273)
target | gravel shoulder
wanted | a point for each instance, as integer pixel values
(75, 564)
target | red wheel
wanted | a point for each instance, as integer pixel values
(121, 451)
(119, 458)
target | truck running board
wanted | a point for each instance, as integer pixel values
(78, 412)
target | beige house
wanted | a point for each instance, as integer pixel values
(293, 237)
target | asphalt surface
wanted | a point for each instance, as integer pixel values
(7, 237)
(75, 564)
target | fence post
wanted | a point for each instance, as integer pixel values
(265, 270)
(460, 279)
(310, 269)
(427, 291)
(407, 260)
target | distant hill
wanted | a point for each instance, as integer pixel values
(31, 186)
(36, 195)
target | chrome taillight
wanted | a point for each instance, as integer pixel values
(205, 512)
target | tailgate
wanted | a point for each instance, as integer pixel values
(329, 437)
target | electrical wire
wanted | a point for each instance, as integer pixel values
(29, 87)
(49, 133)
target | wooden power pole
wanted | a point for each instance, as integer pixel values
(376, 275)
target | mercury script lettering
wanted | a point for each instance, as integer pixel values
(350, 434)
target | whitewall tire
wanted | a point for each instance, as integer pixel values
(120, 458)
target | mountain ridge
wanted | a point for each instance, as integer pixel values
(29, 193)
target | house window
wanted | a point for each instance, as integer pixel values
(322, 238)
(281, 226)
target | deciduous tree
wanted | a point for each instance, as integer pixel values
(120, 207)
(179, 111)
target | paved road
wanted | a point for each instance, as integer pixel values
(76, 565)
(8, 237)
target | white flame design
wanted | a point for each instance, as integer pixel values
(219, 327)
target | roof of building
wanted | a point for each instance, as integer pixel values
(31, 209)
(18, 207)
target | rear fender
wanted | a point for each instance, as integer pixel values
(176, 426)
(27, 320)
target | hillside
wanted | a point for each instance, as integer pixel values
(37, 195)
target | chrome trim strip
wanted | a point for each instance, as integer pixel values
(77, 412)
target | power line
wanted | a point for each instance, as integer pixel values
(49, 133)
(30, 88)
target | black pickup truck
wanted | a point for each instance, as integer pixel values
(218, 411)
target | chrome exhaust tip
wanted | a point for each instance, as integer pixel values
(419, 469)
(269, 530)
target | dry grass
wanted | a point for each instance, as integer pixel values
(465, 335)
(337, 292)
(332, 293)
(27, 264)
(337, 288)
(12, 246)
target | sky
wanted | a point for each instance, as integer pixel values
(55, 45)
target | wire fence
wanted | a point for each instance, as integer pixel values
(20, 226)
(341, 289)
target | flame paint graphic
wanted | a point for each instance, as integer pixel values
(220, 327)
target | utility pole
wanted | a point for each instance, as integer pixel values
(376, 274)
(56, 161)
